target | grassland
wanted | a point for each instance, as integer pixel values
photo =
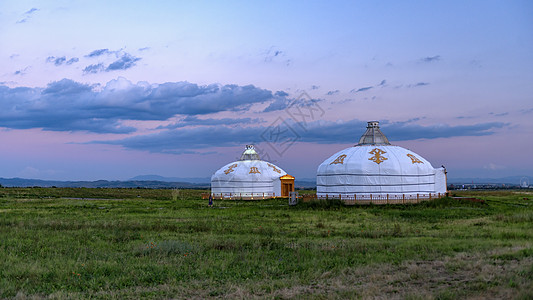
(137, 243)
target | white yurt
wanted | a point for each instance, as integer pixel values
(375, 168)
(251, 178)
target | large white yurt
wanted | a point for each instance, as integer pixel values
(251, 178)
(375, 168)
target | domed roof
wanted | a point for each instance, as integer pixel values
(250, 153)
(249, 169)
(373, 136)
(375, 166)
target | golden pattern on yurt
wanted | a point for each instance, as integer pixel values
(254, 170)
(274, 168)
(339, 160)
(377, 158)
(230, 169)
(414, 159)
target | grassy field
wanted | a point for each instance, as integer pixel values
(138, 243)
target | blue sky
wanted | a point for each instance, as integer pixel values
(111, 90)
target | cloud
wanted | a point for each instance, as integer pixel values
(315, 87)
(99, 52)
(58, 61)
(21, 72)
(274, 54)
(195, 121)
(526, 111)
(418, 84)
(361, 89)
(72, 60)
(123, 63)
(382, 83)
(320, 132)
(27, 15)
(429, 59)
(331, 93)
(67, 105)
(500, 114)
(91, 69)
(281, 102)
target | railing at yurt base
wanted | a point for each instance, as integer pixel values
(240, 196)
(375, 198)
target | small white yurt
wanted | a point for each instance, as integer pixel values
(375, 168)
(251, 178)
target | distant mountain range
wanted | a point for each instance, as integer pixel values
(21, 182)
(156, 181)
(511, 180)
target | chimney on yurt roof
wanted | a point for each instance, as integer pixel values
(373, 136)
(249, 153)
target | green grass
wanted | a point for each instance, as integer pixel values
(140, 243)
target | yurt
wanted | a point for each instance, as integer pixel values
(376, 169)
(251, 178)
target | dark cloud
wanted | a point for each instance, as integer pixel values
(91, 69)
(429, 59)
(320, 132)
(526, 111)
(315, 87)
(281, 102)
(27, 15)
(413, 131)
(125, 62)
(67, 105)
(331, 93)
(500, 114)
(382, 83)
(195, 121)
(361, 89)
(99, 52)
(179, 140)
(418, 84)
(31, 11)
(72, 60)
(274, 54)
(58, 61)
(21, 72)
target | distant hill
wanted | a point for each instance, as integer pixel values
(156, 181)
(512, 180)
(21, 182)
(171, 179)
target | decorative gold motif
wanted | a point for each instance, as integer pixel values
(414, 159)
(254, 170)
(339, 160)
(230, 169)
(274, 168)
(377, 158)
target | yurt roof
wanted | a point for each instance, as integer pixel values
(373, 136)
(249, 153)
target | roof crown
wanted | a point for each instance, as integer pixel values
(373, 136)
(250, 153)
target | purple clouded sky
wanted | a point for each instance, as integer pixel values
(110, 90)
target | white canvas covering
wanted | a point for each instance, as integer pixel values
(378, 169)
(247, 178)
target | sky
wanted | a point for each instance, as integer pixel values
(110, 90)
